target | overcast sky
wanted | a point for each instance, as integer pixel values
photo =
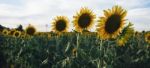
(41, 12)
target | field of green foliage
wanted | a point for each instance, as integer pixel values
(72, 50)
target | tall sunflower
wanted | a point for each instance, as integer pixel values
(147, 37)
(112, 23)
(5, 32)
(84, 19)
(30, 30)
(60, 24)
(17, 33)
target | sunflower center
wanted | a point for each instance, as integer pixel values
(16, 34)
(84, 20)
(60, 25)
(5, 32)
(113, 23)
(31, 31)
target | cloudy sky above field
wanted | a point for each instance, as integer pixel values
(41, 12)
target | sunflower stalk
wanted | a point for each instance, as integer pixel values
(100, 65)
(77, 35)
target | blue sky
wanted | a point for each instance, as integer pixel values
(41, 12)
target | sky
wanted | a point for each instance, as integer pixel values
(40, 13)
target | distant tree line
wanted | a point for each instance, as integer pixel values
(19, 28)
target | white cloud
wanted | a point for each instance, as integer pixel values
(140, 17)
(41, 12)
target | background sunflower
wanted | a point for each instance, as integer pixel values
(126, 34)
(30, 30)
(147, 37)
(112, 23)
(23, 35)
(84, 19)
(5, 32)
(17, 33)
(60, 24)
(12, 31)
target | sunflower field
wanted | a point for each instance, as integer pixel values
(114, 43)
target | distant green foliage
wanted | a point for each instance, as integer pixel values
(57, 52)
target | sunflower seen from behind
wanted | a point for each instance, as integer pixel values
(60, 24)
(83, 20)
(30, 30)
(127, 33)
(111, 25)
(147, 37)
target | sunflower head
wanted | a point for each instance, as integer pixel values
(17, 33)
(12, 32)
(112, 23)
(84, 19)
(5, 32)
(60, 24)
(30, 30)
(23, 35)
(147, 37)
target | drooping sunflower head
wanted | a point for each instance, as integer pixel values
(84, 19)
(30, 30)
(112, 23)
(147, 37)
(60, 24)
(5, 32)
(17, 33)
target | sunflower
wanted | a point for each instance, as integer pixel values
(30, 30)
(112, 23)
(121, 42)
(5, 32)
(60, 24)
(147, 37)
(126, 34)
(38, 34)
(17, 33)
(23, 35)
(125, 37)
(84, 19)
(12, 32)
